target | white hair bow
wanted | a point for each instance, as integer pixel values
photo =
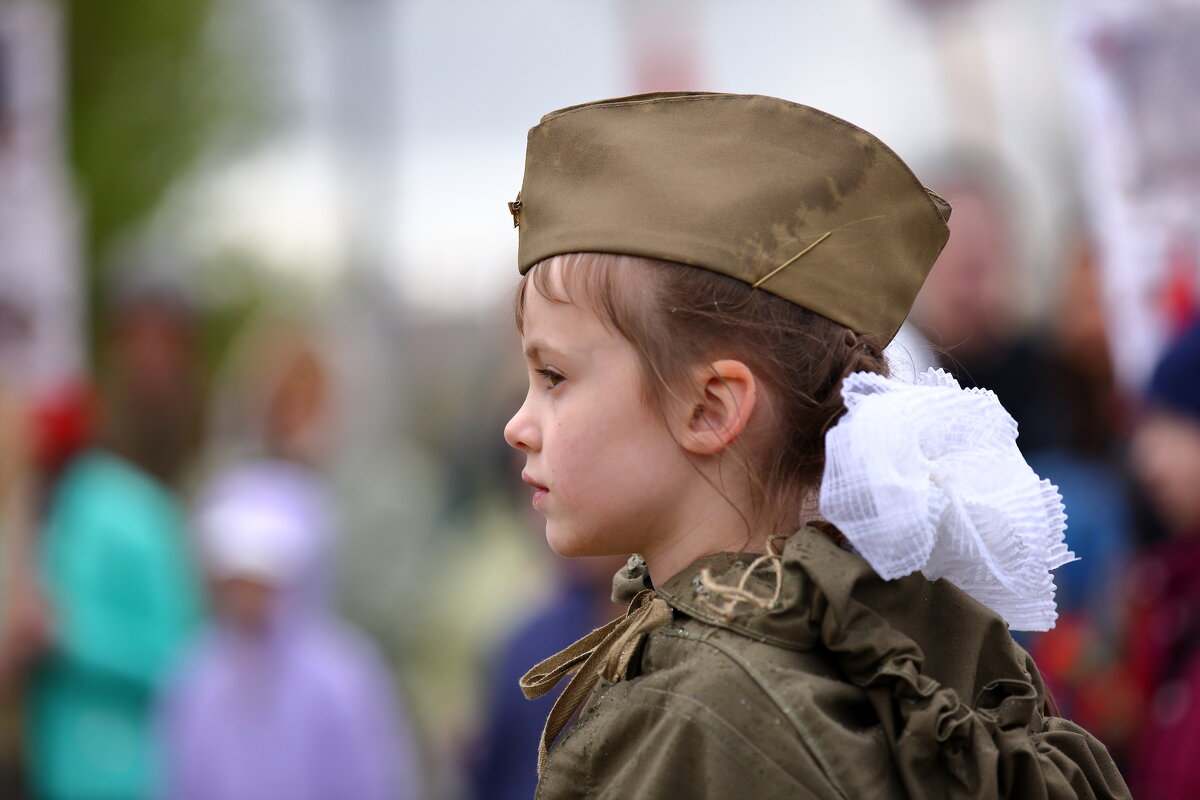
(927, 476)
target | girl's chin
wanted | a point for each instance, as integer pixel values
(565, 545)
(570, 544)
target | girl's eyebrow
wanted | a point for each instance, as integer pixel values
(535, 349)
(539, 348)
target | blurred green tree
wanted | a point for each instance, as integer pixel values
(147, 91)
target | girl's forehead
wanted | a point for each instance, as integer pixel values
(571, 337)
(551, 323)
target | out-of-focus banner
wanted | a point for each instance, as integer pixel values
(1136, 67)
(40, 325)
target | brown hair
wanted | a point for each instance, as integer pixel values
(677, 316)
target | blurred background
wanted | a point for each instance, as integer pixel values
(256, 352)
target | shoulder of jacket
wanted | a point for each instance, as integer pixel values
(774, 712)
(696, 659)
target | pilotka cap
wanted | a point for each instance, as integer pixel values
(779, 195)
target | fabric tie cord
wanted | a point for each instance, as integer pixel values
(604, 653)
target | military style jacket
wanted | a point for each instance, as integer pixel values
(848, 686)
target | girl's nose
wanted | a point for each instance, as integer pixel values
(520, 431)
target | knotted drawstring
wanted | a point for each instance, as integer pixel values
(604, 653)
(731, 595)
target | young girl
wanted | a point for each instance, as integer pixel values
(709, 283)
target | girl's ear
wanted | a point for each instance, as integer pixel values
(728, 392)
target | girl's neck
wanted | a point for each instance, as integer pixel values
(711, 523)
(707, 523)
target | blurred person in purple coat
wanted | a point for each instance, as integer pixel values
(279, 699)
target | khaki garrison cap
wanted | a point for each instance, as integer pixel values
(779, 195)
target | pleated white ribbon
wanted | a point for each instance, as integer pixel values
(927, 476)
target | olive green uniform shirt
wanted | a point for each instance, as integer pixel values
(849, 687)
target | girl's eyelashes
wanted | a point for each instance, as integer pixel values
(552, 376)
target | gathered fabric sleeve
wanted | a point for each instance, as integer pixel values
(1000, 745)
(1002, 748)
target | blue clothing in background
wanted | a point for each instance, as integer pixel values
(124, 596)
(1099, 521)
(504, 767)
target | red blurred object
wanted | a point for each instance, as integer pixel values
(62, 425)
(1179, 294)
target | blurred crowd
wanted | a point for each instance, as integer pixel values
(169, 625)
(171, 634)
(200, 600)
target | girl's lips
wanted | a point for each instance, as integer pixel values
(539, 492)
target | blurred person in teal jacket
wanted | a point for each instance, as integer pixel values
(117, 569)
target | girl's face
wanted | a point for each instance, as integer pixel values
(606, 472)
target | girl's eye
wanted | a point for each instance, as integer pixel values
(552, 376)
